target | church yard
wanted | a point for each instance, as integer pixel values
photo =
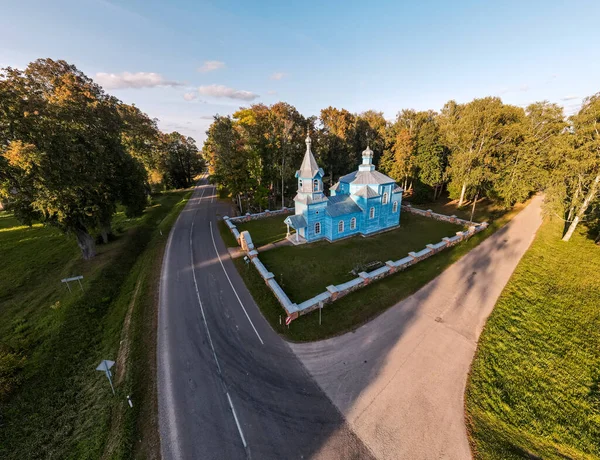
(306, 270)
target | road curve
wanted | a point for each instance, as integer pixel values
(228, 386)
(400, 379)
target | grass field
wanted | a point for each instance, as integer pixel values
(363, 305)
(305, 271)
(534, 388)
(54, 404)
(265, 231)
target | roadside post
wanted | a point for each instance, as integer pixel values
(320, 308)
(105, 366)
(288, 321)
(74, 278)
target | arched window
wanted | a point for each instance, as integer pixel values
(300, 184)
(353, 223)
(318, 228)
(385, 198)
(371, 213)
(395, 207)
(316, 185)
(341, 226)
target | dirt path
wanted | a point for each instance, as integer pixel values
(400, 379)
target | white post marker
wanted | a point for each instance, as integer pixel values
(105, 366)
(320, 308)
(74, 278)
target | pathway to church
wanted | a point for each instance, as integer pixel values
(399, 380)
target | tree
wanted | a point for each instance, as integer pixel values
(140, 137)
(63, 160)
(369, 130)
(477, 134)
(180, 160)
(586, 164)
(431, 158)
(399, 162)
(229, 161)
(334, 143)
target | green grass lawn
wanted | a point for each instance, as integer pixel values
(305, 271)
(53, 404)
(534, 388)
(265, 231)
(355, 309)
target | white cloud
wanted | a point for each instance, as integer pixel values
(278, 75)
(190, 96)
(224, 91)
(210, 66)
(569, 98)
(133, 80)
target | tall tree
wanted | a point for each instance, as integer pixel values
(335, 141)
(399, 162)
(61, 144)
(586, 164)
(369, 130)
(476, 133)
(180, 159)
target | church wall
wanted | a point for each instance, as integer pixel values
(372, 225)
(316, 213)
(346, 218)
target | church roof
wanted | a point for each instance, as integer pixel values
(366, 178)
(296, 221)
(309, 167)
(341, 204)
(335, 186)
(398, 189)
(308, 199)
(367, 192)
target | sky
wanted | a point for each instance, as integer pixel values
(183, 61)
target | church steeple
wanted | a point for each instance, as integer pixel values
(309, 167)
(310, 176)
(367, 160)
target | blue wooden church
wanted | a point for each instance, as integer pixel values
(362, 202)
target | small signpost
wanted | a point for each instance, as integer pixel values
(74, 278)
(105, 366)
(320, 308)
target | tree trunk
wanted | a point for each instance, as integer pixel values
(583, 208)
(240, 203)
(86, 244)
(462, 195)
(474, 203)
(105, 231)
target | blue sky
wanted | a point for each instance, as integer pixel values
(183, 61)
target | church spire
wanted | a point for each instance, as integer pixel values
(309, 167)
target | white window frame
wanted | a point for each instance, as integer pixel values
(317, 228)
(372, 213)
(341, 226)
(395, 207)
(353, 223)
(315, 185)
(384, 200)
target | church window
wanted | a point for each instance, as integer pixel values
(395, 207)
(316, 185)
(300, 183)
(385, 198)
(341, 226)
(371, 213)
(318, 228)
(353, 223)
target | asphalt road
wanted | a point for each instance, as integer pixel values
(229, 387)
(400, 379)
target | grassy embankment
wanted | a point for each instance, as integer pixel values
(361, 306)
(534, 388)
(54, 403)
